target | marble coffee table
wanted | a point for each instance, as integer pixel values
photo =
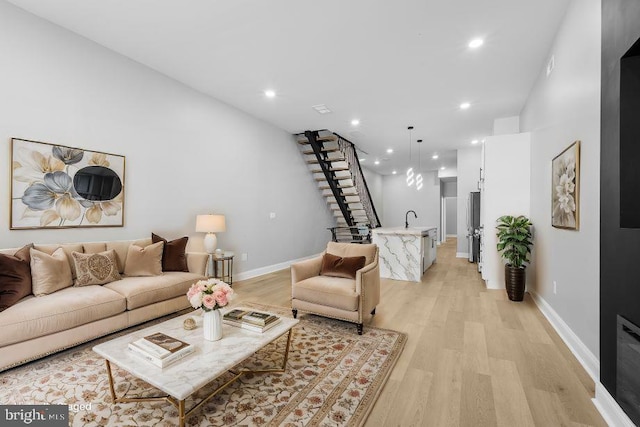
(210, 360)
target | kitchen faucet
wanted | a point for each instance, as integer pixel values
(406, 218)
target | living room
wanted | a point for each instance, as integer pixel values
(188, 153)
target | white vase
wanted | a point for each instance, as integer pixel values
(212, 325)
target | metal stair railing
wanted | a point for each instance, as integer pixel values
(349, 151)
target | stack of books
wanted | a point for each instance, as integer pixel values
(257, 321)
(161, 349)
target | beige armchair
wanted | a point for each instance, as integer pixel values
(337, 297)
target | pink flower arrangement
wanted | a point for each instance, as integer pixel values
(209, 294)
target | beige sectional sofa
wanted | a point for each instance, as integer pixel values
(37, 326)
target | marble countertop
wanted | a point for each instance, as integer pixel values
(416, 231)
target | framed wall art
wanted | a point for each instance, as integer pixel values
(565, 188)
(54, 186)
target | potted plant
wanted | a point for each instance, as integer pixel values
(514, 244)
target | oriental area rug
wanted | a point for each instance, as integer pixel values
(333, 378)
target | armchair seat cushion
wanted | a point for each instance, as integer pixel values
(329, 291)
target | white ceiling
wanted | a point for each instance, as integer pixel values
(388, 63)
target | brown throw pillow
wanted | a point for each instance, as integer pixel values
(95, 269)
(144, 261)
(337, 266)
(15, 277)
(173, 255)
(49, 273)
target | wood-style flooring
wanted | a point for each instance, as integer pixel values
(473, 358)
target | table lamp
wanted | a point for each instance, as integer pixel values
(210, 224)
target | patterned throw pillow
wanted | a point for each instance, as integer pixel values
(95, 269)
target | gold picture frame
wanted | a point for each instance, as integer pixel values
(565, 188)
(56, 186)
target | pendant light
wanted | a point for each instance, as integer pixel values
(419, 176)
(410, 173)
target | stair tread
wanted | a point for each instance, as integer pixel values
(304, 141)
(324, 150)
(333, 169)
(337, 159)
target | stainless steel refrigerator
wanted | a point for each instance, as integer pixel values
(473, 226)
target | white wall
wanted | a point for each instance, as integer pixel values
(562, 108)
(449, 188)
(505, 192)
(398, 199)
(186, 153)
(469, 160)
(451, 209)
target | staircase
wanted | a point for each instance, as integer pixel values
(335, 166)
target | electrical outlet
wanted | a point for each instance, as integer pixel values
(555, 287)
(244, 257)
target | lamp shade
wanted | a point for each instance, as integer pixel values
(210, 223)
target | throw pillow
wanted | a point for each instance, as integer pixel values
(337, 266)
(95, 269)
(49, 273)
(173, 255)
(144, 261)
(15, 277)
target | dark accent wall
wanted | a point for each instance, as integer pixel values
(619, 247)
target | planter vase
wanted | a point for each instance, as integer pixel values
(212, 325)
(514, 280)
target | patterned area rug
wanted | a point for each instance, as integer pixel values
(333, 378)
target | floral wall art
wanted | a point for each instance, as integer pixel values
(565, 188)
(53, 186)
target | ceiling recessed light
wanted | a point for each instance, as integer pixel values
(270, 93)
(465, 105)
(475, 141)
(394, 172)
(475, 43)
(389, 150)
(435, 156)
(355, 122)
(377, 162)
(442, 168)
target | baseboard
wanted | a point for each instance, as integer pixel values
(250, 274)
(609, 408)
(462, 255)
(451, 235)
(586, 358)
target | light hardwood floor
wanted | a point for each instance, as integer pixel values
(473, 358)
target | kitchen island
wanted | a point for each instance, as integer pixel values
(405, 253)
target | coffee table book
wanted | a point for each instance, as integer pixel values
(161, 349)
(256, 321)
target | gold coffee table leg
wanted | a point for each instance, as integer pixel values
(181, 412)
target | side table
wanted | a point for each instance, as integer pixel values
(223, 266)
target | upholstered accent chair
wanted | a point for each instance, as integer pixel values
(341, 285)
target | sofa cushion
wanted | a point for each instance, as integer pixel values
(144, 261)
(95, 269)
(49, 273)
(15, 277)
(94, 247)
(351, 250)
(141, 291)
(121, 248)
(174, 257)
(67, 248)
(337, 266)
(330, 291)
(70, 307)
